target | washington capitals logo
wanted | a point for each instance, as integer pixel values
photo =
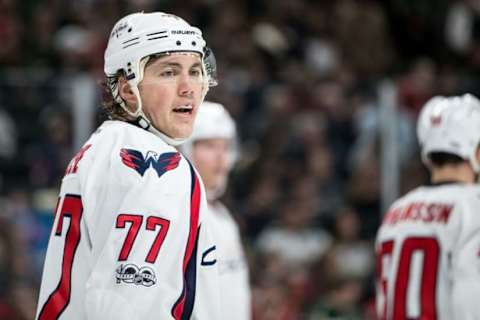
(165, 162)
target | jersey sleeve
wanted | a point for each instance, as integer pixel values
(466, 265)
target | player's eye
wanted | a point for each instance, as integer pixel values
(167, 73)
(196, 72)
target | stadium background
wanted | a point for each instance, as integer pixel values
(325, 94)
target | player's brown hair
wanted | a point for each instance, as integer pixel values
(111, 107)
(440, 159)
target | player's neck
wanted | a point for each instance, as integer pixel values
(461, 173)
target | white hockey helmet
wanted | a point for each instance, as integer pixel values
(451, 125)
(213, 121)
(138, 36)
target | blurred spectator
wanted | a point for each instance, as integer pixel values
(41, 33)
(8, 136)
(365, 22)
(8, 147)
(294, 239)
(460, 25)
(364, 192)
(262, 202)
(7, 259)
(12, 269)
(349, 256)
(29, 232)
(366, 121)
(273, 302)
(52, 152)
(330, 97)
(341, 276)
(73, 43)
(340, 301)
(25, 296)
(10, 29)
(418, 85)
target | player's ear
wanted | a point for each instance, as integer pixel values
(126, 93)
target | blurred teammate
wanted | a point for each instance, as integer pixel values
(130, 228)
(428, 246)
(212, 149)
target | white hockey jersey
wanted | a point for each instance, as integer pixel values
(428, 255)
(129, 234)
(235, 295)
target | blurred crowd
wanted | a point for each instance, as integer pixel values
(301, 79)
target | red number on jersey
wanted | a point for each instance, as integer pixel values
(136, 222)
(58, 300)
(386, 249)
(430, 249)
(164, 224)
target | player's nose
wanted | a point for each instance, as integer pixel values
(185, 85)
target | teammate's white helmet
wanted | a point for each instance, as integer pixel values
(140, 35)
(451, 125)
(213, 121)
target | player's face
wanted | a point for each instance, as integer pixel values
(210, 157)
(171, 91)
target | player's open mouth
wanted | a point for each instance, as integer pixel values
(184, 109)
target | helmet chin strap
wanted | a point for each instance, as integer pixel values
(145, 123)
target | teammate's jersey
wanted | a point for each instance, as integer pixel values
(233, 268)
(129, 234)
(428, 255)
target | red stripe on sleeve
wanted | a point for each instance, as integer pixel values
(178, 309)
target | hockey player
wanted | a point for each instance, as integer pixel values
(130, 226)
(212, 148)
(428, 246)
